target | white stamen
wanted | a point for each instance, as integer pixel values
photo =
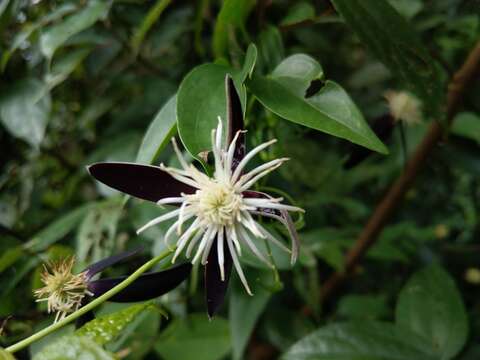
(220, 211)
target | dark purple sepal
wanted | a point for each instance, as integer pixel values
(142, 181)
(101, 265)
(147, 286)
(215, 288)
(234, 120)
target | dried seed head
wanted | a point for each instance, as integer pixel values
(63, 290)
(404, 106)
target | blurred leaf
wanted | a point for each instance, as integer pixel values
(430, 306)
(73, 348)
(201, 100)
(299, 12)
(58, 229)
(467, 124)
(270, 49)
(161, 130)
(96, 233)
(148, 21)
(25, 110)
(107, 328)
(407, 8)
(10, 256)
(56, 35)
(365, 340)
(394, 42)
(370, 307)
(195, 338)
(232, 16)
(249, 63)
(244, 311)
(330, 110)
(62, 68)
(22, 36)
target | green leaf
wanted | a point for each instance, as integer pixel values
(57, 229)
(195, 338)
(201, 100)
(370, 307)
(55, 36)
(244, 311)
(365, 340)
(299, 12)
(96, 233)
(150, 19)
(394, 42)
(10, 256)
(467, 124)
(5, 355)
(25, 110)
(63, 67)
(22, 36)
(73, 348)
(430, 306)
(232, 16)
(161, 130)
(249, 62)
(107, 328)
(330, 110)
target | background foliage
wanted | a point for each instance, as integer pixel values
(87, 81)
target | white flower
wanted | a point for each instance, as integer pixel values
(404, 106)
(219, 209)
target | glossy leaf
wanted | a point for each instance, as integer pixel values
(55, 36)
(73, 348)
(201, 100)
(25, 110)
(161, 130)
(107, 328)
(215, 288)
(195, 338)
(146, 287)
(232, 16)
(244, 311)
(394, 42)
(431, 307)
(359, 341)
(330, 110)
(142, 181)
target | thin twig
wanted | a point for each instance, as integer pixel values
(394, 196)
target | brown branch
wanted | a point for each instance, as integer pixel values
(394, 196)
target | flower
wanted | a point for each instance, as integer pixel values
(216, 214)
(404, 106)
(220, 208)
(65, 291)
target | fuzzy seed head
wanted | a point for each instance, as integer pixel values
(63, 290)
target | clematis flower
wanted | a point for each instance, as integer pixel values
(216, 215)
(65, 291)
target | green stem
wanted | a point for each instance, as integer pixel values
(98, 301)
